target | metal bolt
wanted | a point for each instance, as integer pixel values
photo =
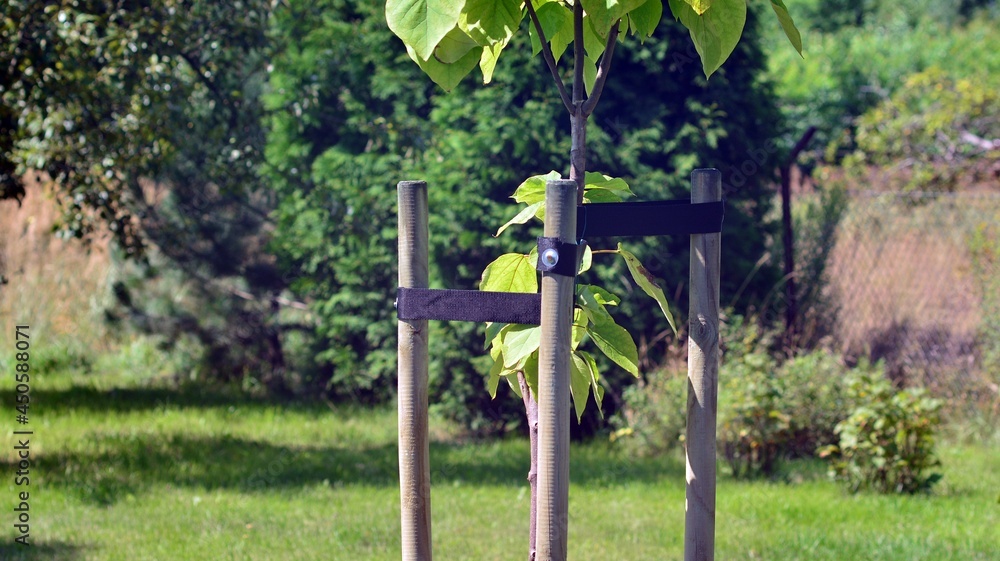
(550, 257)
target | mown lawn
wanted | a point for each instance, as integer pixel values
(124, 470)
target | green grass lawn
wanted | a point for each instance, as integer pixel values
(124, 470)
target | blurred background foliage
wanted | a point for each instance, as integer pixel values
(243, 157)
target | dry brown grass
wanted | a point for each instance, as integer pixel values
(57, 287)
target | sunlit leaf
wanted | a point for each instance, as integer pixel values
(600, 295)
(455, 45)
(526, 214)
(604, 13)
(616, 343)
(785, 19)
(520, 341)
(488, 60)
(557, 24)
(490, 22)
(587, 260)
(447, 75)
(421, 24)
(715, 32)
(699, 6)
(511, 272)
(532, 190)
(647, 283)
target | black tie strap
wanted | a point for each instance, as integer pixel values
(559, 257)
(651, 218)
(468, 305)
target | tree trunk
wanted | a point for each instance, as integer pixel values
(531, 411)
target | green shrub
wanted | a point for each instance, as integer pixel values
(815, 399)
(655, 415)
(770, 411)
(753, 424)
(887, 444)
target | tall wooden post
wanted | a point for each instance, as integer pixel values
(552, 517)
(414, 446)
(703, 378)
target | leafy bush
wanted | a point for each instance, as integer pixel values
(935, 127)
(655, 415)
(768, 410)
(887, 444)
(754, 426)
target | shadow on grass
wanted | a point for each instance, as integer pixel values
(126, 400)
(124, 465)
(48, 551)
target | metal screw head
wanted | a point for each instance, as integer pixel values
(550, 257)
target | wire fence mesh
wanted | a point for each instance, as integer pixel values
(914, 279)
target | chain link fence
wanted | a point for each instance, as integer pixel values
(914, 281)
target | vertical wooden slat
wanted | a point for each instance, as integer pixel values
(553, 382)
(414, 447)
(703, 378)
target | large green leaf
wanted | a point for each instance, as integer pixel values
(455, 45)
(645, 18)
(615, 342)
(532, 190)
(421, 24)
(447, 75)
(490, 21)
(599, 295)
(647, 283)
(592, 305)
(511, 272)
(521, 341)
(526, 214)
(716, 32)
(579, 383)
(595, 379)
(488, 62)
(604, 13)
(557, 24)
(785, 19)
(594, 180)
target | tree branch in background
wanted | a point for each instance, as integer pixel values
(550, 60)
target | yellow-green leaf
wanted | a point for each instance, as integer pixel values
(421, 24)
(447, 75)
(511, 272)
(579, 383)
(520, 341)
(715, 32)
(785, 19)
(647, 283)
(525, 215)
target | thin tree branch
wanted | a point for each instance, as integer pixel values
(578, 56)
(550, 60)
(602, 71)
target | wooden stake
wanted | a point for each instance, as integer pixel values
(703, 378)
(414, 446)
(552, 521)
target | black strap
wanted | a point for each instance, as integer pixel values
(652, 218)
(468, 305)
(568, 260)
